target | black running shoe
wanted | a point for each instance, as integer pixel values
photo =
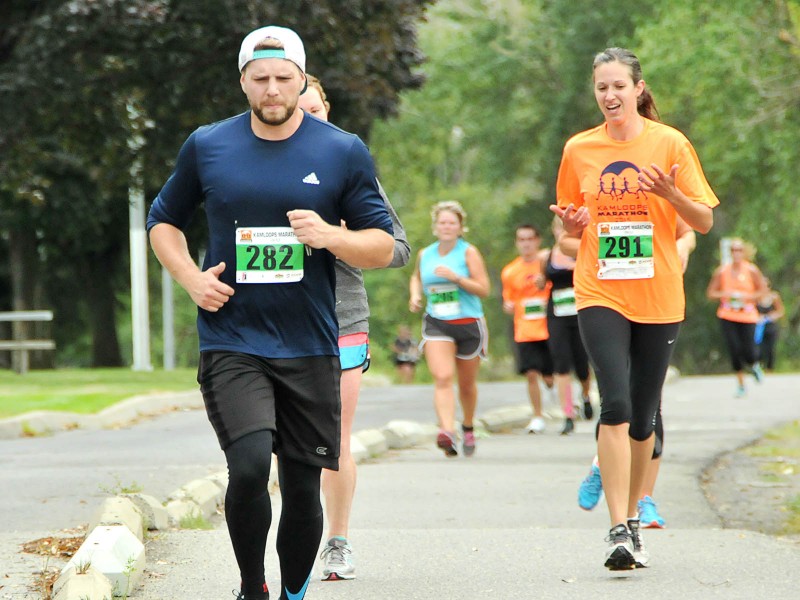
(619, 554)
(569, 426)
(588, 411)
(264, 595)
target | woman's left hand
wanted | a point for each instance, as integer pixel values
(657, 181)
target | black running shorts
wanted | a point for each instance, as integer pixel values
(534, 356)
(297, 398)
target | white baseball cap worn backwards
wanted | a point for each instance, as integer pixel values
(292, 46)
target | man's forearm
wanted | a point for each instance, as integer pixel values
(364, 249)
(170, 247)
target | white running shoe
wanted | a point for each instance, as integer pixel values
(619, 553)
(536, 425)
(640, 556)
(551, 396)
(337, 555)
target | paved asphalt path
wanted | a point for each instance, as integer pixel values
(503, 524)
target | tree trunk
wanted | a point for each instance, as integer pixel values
(101, 314)
(26, 293)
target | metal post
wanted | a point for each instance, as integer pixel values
(138, 250)
(168, 320)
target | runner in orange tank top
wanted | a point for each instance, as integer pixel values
(621, 187)
(738, 285)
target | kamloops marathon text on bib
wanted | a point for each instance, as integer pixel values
(564, 302)
(625, 250)
(534, 308)
(268, 255)
(443, 300)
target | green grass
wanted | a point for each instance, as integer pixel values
(195, 521)
(793, 521)
(84, 391)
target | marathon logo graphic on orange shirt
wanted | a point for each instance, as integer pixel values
(619, 194)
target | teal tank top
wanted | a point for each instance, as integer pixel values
(447, 301)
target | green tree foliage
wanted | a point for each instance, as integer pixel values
(507, 82)
(79, 79)
(510, 80)
(731, 86)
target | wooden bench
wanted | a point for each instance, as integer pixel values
(19, 346)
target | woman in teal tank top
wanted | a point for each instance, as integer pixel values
(452, 277)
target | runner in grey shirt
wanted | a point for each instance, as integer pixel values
(352, 311)
(352, 307)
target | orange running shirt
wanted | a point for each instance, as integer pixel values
(628, 260)
(530, 303)
(732, 308)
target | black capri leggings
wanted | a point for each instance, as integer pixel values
(630, 362)
(658, 429)
(741, 342)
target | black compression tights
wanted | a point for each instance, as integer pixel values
(248, 513)
(630, 361)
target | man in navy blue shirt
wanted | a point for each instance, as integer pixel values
(275, 185)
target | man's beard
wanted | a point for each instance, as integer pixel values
(277, 120)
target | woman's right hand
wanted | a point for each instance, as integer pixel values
(574, 220)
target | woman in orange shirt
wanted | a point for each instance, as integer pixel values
(621, 187)
(738, 285)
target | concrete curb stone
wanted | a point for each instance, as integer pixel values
(373, 440)
(206, 494)
(44, 422)
(74, 584)
(401, 434)
(115, 552)
(154, 515)
(119, 511)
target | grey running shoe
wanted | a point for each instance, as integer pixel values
(619, 554)
(569, 426)
(640, 555)
(468, 444)
(337, 555)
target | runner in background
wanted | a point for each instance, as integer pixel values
(566, 346)
(406, 354)
(525, 296)
(737, 286)
(352, 312)
(771, 310)
(452, 276)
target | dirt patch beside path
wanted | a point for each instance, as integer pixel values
(750, 492)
